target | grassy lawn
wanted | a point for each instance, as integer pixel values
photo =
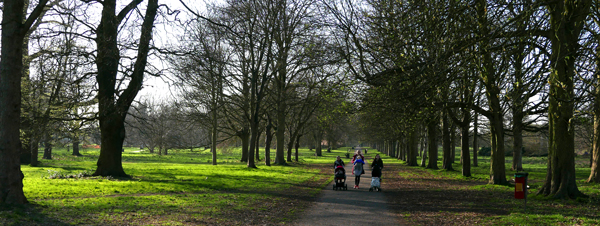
(182, 188)
(470, 200)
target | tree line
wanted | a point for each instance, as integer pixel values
(71, 71)
(299, 69)
(442, 66)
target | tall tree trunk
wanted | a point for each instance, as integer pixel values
(385, 150)
(412, 151)
(253, 141)
(432, 144)
(566, 20)
(517, 164)
(34, 145)
(446, 143)
(76, 146)
(280, 134)
(289, 149)
(11, 66)
(318, 148)
(112, 111)
(497, 167)
(424, 159)
(25, 152)
(297, 146)
(595, 153)
(394, 148)
(47, 147)
(213, 138)
(423, 142)
(268, 140)
(466, 159)
(245, 136)
(112, 135)
(475, 139)
(406, 148)
(257, 150)
(490, 80)
(452, 142)
(518, 103)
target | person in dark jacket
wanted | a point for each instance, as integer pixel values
(339, 162)
(376, 166)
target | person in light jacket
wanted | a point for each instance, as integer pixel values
(358, 170)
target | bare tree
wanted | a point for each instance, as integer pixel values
(113, 103)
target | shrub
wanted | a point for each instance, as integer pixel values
(485, 151)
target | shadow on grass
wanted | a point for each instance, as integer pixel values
(28, 214)
(430, 198)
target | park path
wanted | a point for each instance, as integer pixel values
(351, 207)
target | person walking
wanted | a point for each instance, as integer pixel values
(338, 162)
(358, 170)
(357, 154)
(376, 167)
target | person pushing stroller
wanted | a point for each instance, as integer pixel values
(340, 174)
(376, 167)
(338, 167)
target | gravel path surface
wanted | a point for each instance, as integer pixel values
(351, 207)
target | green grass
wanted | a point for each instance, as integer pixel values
(184, 188)
(183, 185)
(541, 210)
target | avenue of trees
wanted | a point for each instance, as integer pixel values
(436, 66)
(405, 74)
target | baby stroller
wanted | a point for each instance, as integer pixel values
(340, 178)
(375, 184)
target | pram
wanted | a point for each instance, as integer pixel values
(340, 178)
(375, 184)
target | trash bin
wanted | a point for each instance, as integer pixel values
(521, 185)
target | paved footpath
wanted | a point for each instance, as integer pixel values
(351, 207)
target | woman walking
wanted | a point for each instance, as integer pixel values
(358, 170)
(376, 167)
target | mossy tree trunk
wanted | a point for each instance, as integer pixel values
(432, 144)
(595, 153)
(490, 80)
(446, 143)
(413, 148)
(475, 139)
(566, 21)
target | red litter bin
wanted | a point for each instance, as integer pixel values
(521, 185)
